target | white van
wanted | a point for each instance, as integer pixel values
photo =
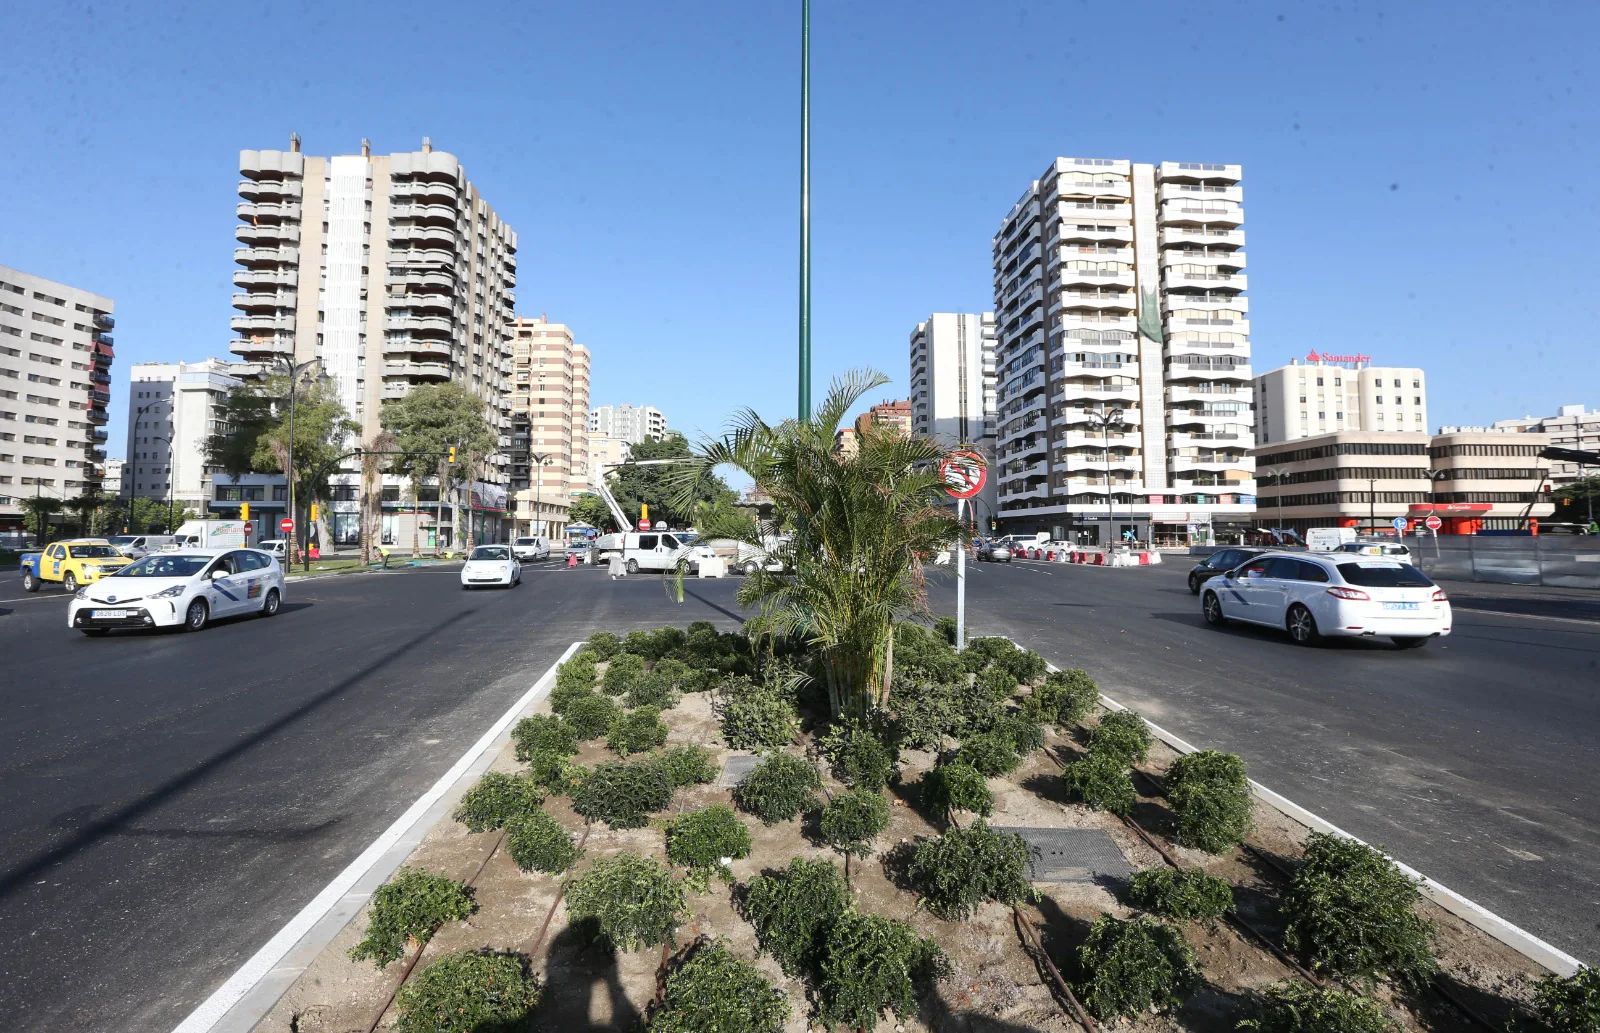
(137, 546)
(531, 547)
(1328, 539)
(644, 550)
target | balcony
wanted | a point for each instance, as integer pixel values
(1207, 393)
(1204, 193)
(437, 212)
(1097, 321)
(250, 324)
(97, 416)
(433, 279)
(1176, 278)
(1026, 428)
(1201, 256)
(100, 378)
(416, 346)
(97, 455)
(266, 236)
(1207, 213)
(1067, 276)
(1069, 231)
(268, 211)
(434, 237)
(422, 324)
(100, 397)
(268, 189)
(103, 349)
(265, 301)
(271, 256)
(261, 347)
(99, 435)
(1196, 170)
(1110, 188)
(1089, 463)
(418, 257)
(1171, 301)
(1211, 438)
(1093, 438)
(1030, 447)
(1174, 236)
(426, 192)
(1023, 473)
(1076, 390)
(1084, 211)
(395, 390)
(424, 370)
(1202, 417)
(1197, 464)
(1200, 371)
(1040, 491)
(1095, 367)
(104, 321)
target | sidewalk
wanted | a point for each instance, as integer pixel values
(1530, 600)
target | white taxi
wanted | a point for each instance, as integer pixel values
(491, 565)
(188, 587)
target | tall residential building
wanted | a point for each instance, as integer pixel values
(1572, 426)
(173, 408)
(894, 415)
(631, 423)
(1119, 292)
(112, 484)
(550, 424)
(55, 384)
(953, 389)
(606, 451)
(1327, 394)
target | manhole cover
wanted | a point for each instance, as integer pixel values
(1073, 855)
(735, 770)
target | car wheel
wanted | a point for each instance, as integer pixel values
(1302, 626)
(1211, 606)
(269, 608)
(196, 616)
(70, 582)
(633, 566)
(94, 632)
(29, 582)
(1194, 585)
(751, 567)
(1409, 642)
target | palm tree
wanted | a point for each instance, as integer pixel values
(856, 529)
(371, 501)
(83, 507)
(40, 507)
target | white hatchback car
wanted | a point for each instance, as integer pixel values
(1316, 595)
(491, 565)
(188, 587)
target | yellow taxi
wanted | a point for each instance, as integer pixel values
(78, 561)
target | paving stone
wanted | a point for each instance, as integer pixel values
(735, 770)
(1073, 855)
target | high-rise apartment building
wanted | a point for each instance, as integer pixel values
(173, 409)
(895, 415)
(55, 384)
(1572, 426)
(953, 388)
(1327, 394)
(1124, 352)
(631, 423)
(550, 424)
(606, 451)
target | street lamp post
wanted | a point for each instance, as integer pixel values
(539, 461)
(294, 371)
(1106, 420)
(172, 477)
(805, 210)
(1276, 473)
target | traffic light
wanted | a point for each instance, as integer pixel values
(244, 511)
(313, 512)
(452, 454)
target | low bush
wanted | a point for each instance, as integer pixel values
(633, 901)
(1025, 665)
(1065, 698)
(852, 820)
(469, 991)
(577, 673)
(604, 645)
(872, 964)
(410, 908)
(717, 992)
(637, 731)
(1294, 1007)
(794, 910)
(555, 772)
(563, 696)
(541, 732)
(990, 753)
(623, 795)
(1134, 966)
(1350, 912)
(537, 842)
(497, 798)
(1022, 730)
(667, 641)
(925, 712)
(1569, 1004)
(996, 683)
(1122, 734)
(1102, 781)
(754, 716)
(701, 839)
(641, 644)
(858, 756)
(1210, 795)
(956, 785)
(922, 654)
(945, 628)
(624, 672)
(653, 690)
(686, 765)
(964, 867)
(591, 715)
(779, 788)
(1182, 893)
(981, 653)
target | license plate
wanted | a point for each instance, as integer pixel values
(101, 615)
(1400, 606)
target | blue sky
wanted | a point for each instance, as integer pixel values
(1414, 172)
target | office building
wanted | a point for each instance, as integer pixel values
(1124, 353)
(1573, 427)
(173, 410)
(631, 423)
(1327, 394)
(896, 416)
(550, 424)
(55, 385)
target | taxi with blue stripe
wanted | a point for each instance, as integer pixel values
(187, 588)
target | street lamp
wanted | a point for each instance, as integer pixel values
(133, 491)
(1106, 420)
(805, 210)
(1276, 473)
(294, 371)
(540, 460)
(172, 475)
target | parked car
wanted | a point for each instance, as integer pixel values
(277, 547)
(1394, 550)
(536, 547)
(1315, 596)
(491, 565)
(78, 561)
(995, 552)
(187, 587)
(1218, 562)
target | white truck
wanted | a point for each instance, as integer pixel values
(1328, 539)
(644, 550)
(212, 534)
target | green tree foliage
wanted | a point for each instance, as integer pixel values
(858, 756)
(957, 785)
(997, 683)
(145, 514)
(755, 715)
(1101, 781)
(717, 992)
(426, 422)
(961, 869)
(872, 964)
(591, 715)
(701, 839)
(256, 415)
(1294, 1007)
(40, 508)
(1021, 731)
(555, 772)
(470, 992)
(1133, 966)
(1351, 912)
(1567, 1004)
(1573, 501)
(852, 820)
(636, 731)
(633, 901)
(1065, 698)
(623, 795)
(926, 713)
(543, 732)
(991, 753)
(592, 510)
(496, 799)
(1124, 735)
(779, 788)
(657, 486)
(537, 842)
(1210, 794)
(409, 908)
(1181, 893)
(657, 689)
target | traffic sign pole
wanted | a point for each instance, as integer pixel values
(964, 475)
(961, 580)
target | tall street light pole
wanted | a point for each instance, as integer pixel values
(172, 478)
(805, 209)
(1107, 420)
(1276, 473)
(539, 461)
(294, 371)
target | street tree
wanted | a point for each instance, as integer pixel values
(1578, 502)
(84, 508)
(592, 510)
(428, 420)
(372, 467)
(636, 486)
(40, 508)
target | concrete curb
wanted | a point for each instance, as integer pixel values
(249, 994)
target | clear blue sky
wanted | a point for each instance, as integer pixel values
(1414, 172)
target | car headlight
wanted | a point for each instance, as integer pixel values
(170, 593)
(82, 593)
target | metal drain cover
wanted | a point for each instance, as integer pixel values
(735, 769)
(1072, 855)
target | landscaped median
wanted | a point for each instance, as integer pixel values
(678, 837)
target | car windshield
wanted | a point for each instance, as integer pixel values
(490, 552)
(93, 552)
(165, 564)
(527, 541)
(1383, 574)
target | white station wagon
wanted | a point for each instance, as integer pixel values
(189, 587)
(1318, 595)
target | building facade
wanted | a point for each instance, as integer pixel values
(1124, 353)
(1488, 479)
(173, 409)
(550, 425)
(606, 451)
(1327, 394)
(631, 423)
(953, 389)
(1572, 426)
(55, 385)
(895, 415)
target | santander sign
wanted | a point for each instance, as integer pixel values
(1316, 356)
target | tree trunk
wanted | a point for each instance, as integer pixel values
(416, 520)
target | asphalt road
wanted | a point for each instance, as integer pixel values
(1475, 758)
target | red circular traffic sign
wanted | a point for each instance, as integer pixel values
(964, 474)
(1433, 523)
(286, 525)
(248, 527)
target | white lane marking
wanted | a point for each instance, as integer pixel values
(266, 961)
(1529, 616)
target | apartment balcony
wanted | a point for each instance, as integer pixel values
(100, 377)
(251, 279)
(267, 236)
(1012, 473)
(1021, 493)
(97, 416)
(1202, 418)
(1178, 371)
(262, 347)
(1199, 192)
(1036, 446)
(1177, 393)
(427, 237)
(421, 370)
(1098, 211)
(1195, 170)
(268, 211)
(1111, 188)
(1175, 278)
(99, 397)
(427, 191)
(99, 435)
(1027, 427)
(1072, 391)
(268, 256)
(1205, 213)
(1199, 255)
(249, 324)
(260, 302)
(1033, 401)
(1089, 253)
(393, 390)
(416, 346)
(1181, 465)
(1093, 438)
(104, 321)
(1091, 463)
(1210, 439)
(103, 349)
(1069, 233)
(1071, 320)
(445, 213)
(1095, 367)
(427, 325)
(1187, 482)
(1171, 301)
(1066, 276)
(1200, 236)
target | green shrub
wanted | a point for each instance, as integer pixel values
(925, 712)
(674, 671)
(852, 820)
(701, 839)
(858, 756)
(957, 785)
(537, 842)
(1210, 795)
(469, 992)
(1294, 1007)
(1102, 782)
(945, 628)
(1021, 730)
(997, 683)
(410, 908)
(1134, 966)
(563, 696)
(542, 732)
(779, 788)
(984, 652)
(1025, 665)
(637, 731)
(623, 795)
(577, 673)
(591, 715)
(653, 691)
(1182, 893)
(922, 654)
(668, 641)
(794, 911)
(641, 644)
(633, 901)
(1569, 1004)
(754, 716)
(872, 964)
(1065, 698)
(1350, 912)
(604, 645)
(967, 866)
(624, 672)
(717, 992)
(1122, 734)
(686, 765)
(554, 772)
(495, 799)
(990, 753)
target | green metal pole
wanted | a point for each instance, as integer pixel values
(805, 209)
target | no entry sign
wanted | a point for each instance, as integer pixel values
(286, 525)
(964, 474)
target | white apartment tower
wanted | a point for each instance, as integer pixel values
(1124, 352)
(631, 423)
(1329, 394)
(953, 388)
(173, 409)
(550, 424)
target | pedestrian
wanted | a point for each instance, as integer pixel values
(618, 569)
